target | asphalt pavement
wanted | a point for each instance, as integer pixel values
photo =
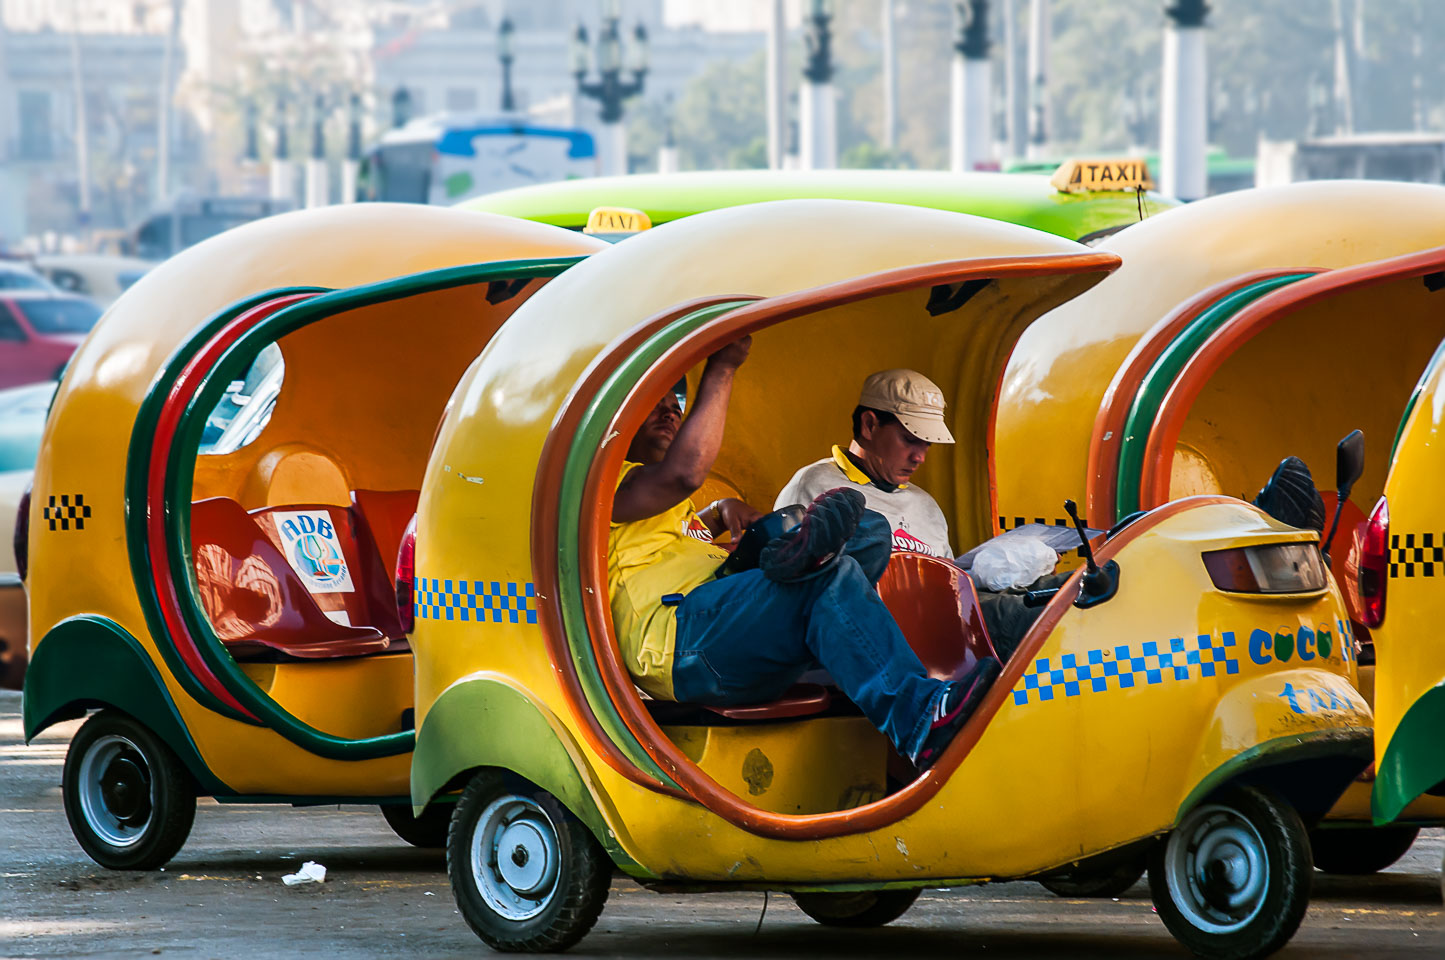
(222, 897)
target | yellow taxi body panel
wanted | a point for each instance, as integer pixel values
(84, 452)
(1409, 657)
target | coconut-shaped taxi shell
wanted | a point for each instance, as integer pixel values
(83, 567)
(1289, 387)
(848, 288)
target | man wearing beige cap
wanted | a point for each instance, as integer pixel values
(898, 417)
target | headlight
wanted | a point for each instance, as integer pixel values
(1270, 568)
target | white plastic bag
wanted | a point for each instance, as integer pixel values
(1012, 562)
(310, 872)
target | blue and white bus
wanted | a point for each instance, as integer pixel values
(447, 158)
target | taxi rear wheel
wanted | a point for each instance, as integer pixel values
(1233, 879)
(864, 908)
(527, 876)
(129, 800)
(1357, 852)
(428, 831)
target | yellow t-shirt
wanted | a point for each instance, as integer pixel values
(647, 559)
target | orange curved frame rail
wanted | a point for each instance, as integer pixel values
(1102, 480)
(598, 493)
(1243, 326)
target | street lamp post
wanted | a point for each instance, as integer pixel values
(1039, 115)
(351, 166)
(972, 77)
(610, 89)
(505, 55)
(818, 119)
(281, 176)
(400, 106)
(318, 188)
(1184, 126)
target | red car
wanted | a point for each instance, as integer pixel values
(39, 330)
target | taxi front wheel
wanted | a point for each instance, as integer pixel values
(129, 800)
(865, 908)
(527, 876)
(1232, 881)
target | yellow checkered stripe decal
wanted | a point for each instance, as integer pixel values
(475, 601)
(1121, 668)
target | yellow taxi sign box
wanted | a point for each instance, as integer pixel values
(617, 220)
(1091, 176)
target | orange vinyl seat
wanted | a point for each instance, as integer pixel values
(386, 514)
(936, 607)
(801, 700)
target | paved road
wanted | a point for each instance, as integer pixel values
(223, 897)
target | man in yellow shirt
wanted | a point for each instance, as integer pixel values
(688, 636)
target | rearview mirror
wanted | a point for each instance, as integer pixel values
(1349, 462)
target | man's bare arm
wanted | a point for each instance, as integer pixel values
(652, 488)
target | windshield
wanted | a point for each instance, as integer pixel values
(59, 316)
(22, 280)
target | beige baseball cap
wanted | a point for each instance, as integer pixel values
(911, 397)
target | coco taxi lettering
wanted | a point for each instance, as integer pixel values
(1301, 644)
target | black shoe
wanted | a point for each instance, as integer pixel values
(956, 706)
(830, 521)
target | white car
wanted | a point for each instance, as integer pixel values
(101, 277)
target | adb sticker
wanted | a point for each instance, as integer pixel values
(313, 551)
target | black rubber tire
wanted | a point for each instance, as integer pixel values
(865, 908)
(139, 758)
(428, 831)
(1113, 881)
(584, 872)
(1358, 852)
(1284, 847)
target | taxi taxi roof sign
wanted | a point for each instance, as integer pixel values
(1103, 173)
(617, 220)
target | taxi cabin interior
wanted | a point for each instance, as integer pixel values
(1296, 386)
(344, 448)
(812, 751)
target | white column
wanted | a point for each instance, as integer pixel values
(890, 80)
(612, 149)
(318, 185)
(1183, 135)
(818, 127)
(1038, 100)
(282, 181)
(350, 174)
(970, 137)
(1014, 131)
(777, 94)
(667, 159)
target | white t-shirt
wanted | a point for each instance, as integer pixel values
(917, 523)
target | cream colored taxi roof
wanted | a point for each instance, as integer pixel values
(342, 246)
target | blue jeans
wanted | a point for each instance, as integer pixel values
(746, 639)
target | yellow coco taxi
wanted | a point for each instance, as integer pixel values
(1241, 329)
(223, 597)
(1398, 558)
(1133, 716)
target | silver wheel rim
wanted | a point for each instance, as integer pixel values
(117, 790)
(1217, 869)
(515, 858)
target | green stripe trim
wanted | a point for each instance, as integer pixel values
(137, 464)
(1162, 376)
(591, 431)
(1415, 397)
(181, 464)
(1414, 762)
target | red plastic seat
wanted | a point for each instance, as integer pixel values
(256, 602)
(801, 700)
(386, 514)
(936, 607)
(372, 600)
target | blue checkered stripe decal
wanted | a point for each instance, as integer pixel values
(1124, 669)
(477, 601)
